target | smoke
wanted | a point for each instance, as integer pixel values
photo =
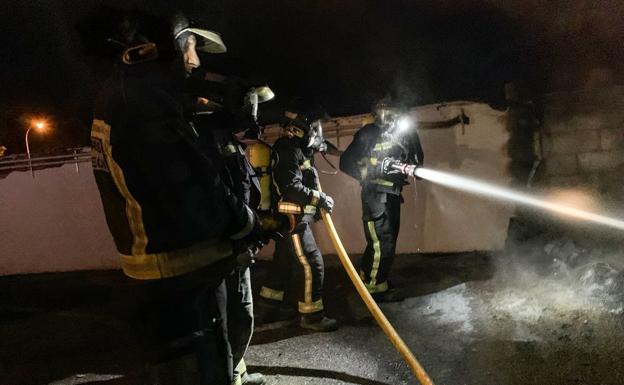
(551, 267)
(557, 272)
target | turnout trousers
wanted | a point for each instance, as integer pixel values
(185, 328)
(297, 257)
(381, 236)
(240, 321)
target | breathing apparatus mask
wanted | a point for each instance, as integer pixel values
(393, 121)
(314, 138)
(308, 130)
(386, 115)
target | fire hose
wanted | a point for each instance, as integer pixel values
(372, 306)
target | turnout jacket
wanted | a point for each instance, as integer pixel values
(295, 178)
(362, 161)
(162, 195)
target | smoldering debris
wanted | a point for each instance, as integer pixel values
(547, 289)
(586, 266)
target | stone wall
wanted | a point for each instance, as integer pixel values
(582, 137)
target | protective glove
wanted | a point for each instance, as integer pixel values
(386, 166)
(326, 203)
(249, 241)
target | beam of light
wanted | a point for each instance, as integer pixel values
(501, 193)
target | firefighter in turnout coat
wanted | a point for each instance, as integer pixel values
(381, 198)
(296, 186)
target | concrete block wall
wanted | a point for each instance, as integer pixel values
(582, 135)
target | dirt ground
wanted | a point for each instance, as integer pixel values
(547, 313)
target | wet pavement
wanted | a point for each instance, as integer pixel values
(465, 321)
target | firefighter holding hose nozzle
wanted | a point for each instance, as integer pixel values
(369, 158)
(297, 195)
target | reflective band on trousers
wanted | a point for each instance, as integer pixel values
(380, 288)
(376, 256)
(307, 306)
(240, 370)
(268, 293)
(306, 165)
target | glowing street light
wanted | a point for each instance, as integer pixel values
(40, 126)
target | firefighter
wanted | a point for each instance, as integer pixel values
(177, 226)
(384, 139)
(297, 194)
(222, 129)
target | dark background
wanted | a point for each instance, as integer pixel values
(342, 53)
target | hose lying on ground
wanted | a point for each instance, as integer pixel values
(381, 319)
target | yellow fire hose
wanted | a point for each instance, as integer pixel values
(381, 319)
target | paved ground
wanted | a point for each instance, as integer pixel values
(470, 319)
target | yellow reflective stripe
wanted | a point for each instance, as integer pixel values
(141, 266)
(306, 165)
(376, 254)
(239, 370)
(316, 196)
(229, 149)
(309, 209)
(373, 161)
(276, 295)
(288, 208)
(383, 146)
(312, 307)
(380, 288)
(307, 271)
(134, 213)
(177, 262)
(382, 182)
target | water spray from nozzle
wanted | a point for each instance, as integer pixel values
(477, 187)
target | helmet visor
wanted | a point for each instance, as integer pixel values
(315, 136)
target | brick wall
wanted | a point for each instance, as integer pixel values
(582, 136)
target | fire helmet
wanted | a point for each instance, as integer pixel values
(138, 36)
(386, 113)
(306, 124)
(207, 41)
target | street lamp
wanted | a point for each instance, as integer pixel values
(38, 125)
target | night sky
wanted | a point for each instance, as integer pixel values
(343, 54)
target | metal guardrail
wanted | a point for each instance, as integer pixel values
(21, 162)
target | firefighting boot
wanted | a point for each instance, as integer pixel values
(253, 379)
(390, 295)
(267, 311)
(318, 322)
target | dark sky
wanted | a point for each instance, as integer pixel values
(341, 53)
